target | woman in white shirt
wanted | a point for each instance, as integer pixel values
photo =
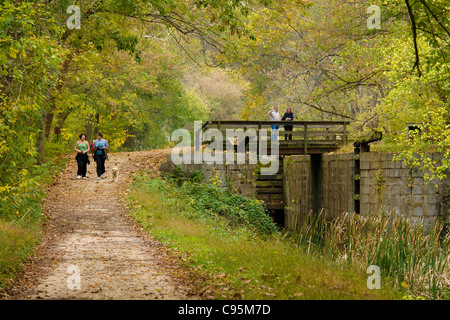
(274, 116)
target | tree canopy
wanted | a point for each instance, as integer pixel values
(138, 69)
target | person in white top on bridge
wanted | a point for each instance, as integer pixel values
(274, 116)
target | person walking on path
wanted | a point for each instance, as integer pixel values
(274, 116)
(82, 158)
(288, 116)
(100, 146)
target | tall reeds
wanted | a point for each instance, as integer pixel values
(408, 254)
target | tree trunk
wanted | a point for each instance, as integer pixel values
(41, 139)
(48, 123)
(89, 128)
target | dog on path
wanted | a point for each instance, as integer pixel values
(115, 173)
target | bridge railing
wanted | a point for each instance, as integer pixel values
(313, 135)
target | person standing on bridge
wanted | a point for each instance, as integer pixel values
(288, 116)
(100, 146)
(82, 148)
(274, 116)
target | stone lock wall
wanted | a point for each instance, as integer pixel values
(312, 183)
(337, 184)
(385, 186)
(297, 190)
(241, 177)
(393, 187)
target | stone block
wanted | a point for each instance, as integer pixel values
(430, 199)
(397, 164)
(438, 156)
(397, 210)
(417, 200)
(365, 209)
(365, 156)
(417, 190)
(364, 165)
(406, 198)
(402, 190)
(388, 164)
(405, 209)
(364, 173)
(234, 167)
(387, 157)
(373, 199)
(417, 211)
(417, 181)
(431, 210)
(429, 222)
(374, 165)
(430, 189)
(417, 173)
(364, 189)
(393, 173)
(376, 157)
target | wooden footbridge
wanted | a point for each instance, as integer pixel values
(305, 137)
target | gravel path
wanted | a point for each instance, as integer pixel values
(92, 250)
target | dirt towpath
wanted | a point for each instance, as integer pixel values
(92, 250)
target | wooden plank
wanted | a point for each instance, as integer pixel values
(283, 143)
(270, 177)
(276, 196)
(295, 134)
(269, 190)
(263, 197)
(311, 150)
(345, 133)
(313, 133)
(275, 206)
(305, 138)
(301, 142)
(269, 183)
(243, 123)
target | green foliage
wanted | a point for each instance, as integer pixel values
(197, 176)
(239, 210)
(234, 262)
(320, 58)
(210, 201)
(29, 59)
(21, 198)
(434, 136)
(21, 216)
(17, 243)
(410, 256)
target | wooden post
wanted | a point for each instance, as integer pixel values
(305, 138)
(345, 133)
(257, 140)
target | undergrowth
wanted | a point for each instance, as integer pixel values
(231, 241)
(21, 217)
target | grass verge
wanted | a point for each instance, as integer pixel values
(21, 230)
(238, 261)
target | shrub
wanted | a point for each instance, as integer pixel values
(239, 210)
